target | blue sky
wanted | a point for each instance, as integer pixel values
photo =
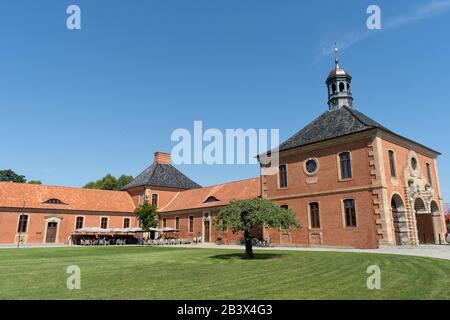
(76, 105)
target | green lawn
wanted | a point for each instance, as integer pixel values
(180, 273)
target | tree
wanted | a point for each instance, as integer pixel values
(109, 182)
(123, 181)
(11, 176)
(246, 215)
(35, 182)
(147, 215)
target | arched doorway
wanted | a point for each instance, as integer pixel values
(424, 219)
(399, 220)
(434, 208)
(437, 222)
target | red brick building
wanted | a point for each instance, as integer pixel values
(46, 214)
(350, 181)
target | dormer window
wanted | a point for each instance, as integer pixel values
(53, 201)
(211, 199)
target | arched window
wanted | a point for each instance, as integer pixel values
(341, 86)
(350, 213)
(392, 164)
(430, 179)
(414, 163)
(283, 176)
(348, 87)
(314, 215)
(333, 88)
(345, 165)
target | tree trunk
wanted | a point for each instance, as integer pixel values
(248, 244)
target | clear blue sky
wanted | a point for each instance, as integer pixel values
(76, 105)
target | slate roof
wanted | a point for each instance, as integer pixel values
(19, 195)
(223, 193)
(162, 175)
(329, 125)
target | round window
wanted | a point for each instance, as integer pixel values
(414, 163)
(311, 166)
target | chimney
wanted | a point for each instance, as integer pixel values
(162, 157)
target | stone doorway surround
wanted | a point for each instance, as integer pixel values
(52, 219)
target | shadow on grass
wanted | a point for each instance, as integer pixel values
(243, 256)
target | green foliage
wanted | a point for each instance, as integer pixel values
(11, 176)
(147, 215)
(244, 215)
(109, 182)
(123, 181)
(35, 182)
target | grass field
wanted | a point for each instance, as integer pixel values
(181, 273)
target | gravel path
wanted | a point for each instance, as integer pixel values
(432, 251)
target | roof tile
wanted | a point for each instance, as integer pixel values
(19, 195)
(224, 193)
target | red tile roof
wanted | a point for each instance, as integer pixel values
(14, 195)
(224, 193)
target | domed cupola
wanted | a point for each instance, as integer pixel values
(339, 86)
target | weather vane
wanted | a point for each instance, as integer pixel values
(336, 54)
